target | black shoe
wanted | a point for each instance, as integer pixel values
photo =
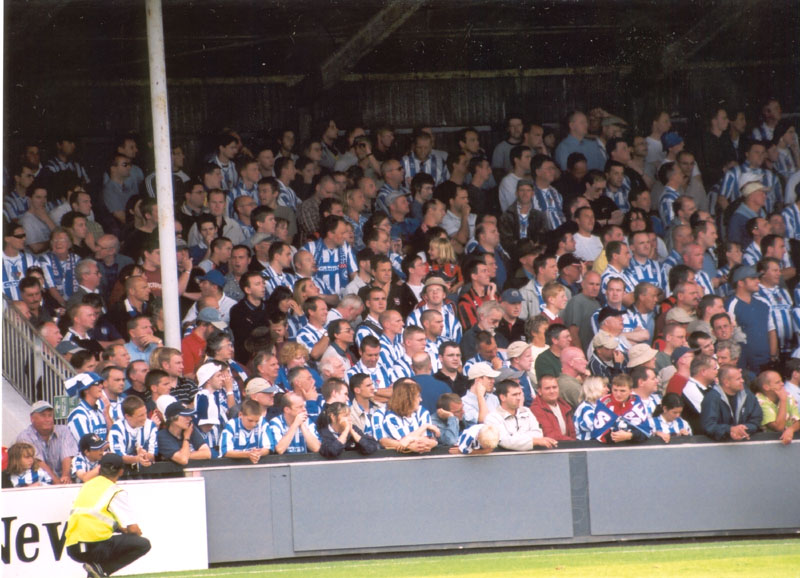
(94, 570)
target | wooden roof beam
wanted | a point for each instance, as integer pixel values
(375, 31)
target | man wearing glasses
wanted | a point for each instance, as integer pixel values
(116, 191)
(15, 259)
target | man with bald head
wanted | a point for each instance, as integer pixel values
(574, 369)
(110, 262)
(578, 312)
(680, 236)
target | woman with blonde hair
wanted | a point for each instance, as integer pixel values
(593, 389)
(406, 425)
(293, 355)
(442, 259)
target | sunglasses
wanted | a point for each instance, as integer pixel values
(19, 236)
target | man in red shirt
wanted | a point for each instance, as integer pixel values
(553, 413)
(193, 346)
(482, 289)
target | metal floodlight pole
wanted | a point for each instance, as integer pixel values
(166, 212)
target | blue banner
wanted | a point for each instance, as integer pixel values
(605, 419)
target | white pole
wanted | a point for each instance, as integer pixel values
(166, 216)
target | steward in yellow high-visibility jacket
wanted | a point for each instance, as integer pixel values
(101, 532)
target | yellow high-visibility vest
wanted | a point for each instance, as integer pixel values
(90, 520)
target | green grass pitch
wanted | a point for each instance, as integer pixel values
(768, 558)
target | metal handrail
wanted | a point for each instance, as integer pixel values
(30, 364)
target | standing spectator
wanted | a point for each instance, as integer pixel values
(522, 219)
(576, 141)
(88, 416)
(580, 308)
(752, 315)
(249, 313)
(520, 166)
(501, 155)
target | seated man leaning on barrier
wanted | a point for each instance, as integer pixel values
(518, 428)
(292, 430)
(729, 411)
(179, 441)
(780, 411)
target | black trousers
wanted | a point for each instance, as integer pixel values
(112, 554)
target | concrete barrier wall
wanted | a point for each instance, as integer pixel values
(292, 509)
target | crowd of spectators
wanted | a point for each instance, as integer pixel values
(353, 294)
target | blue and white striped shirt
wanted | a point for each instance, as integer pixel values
(60, 274)
(752, 255)
(433, 165)
(380, 376)
(452, 327)
(30, 477)
(235, 437)
(294, 324)
(81, 464)
(240, 191)
(383, 193)
(116, 408)
(724, 289)
(125, 440)
(14, 206)
(229, 175)
(86, 419)
(334, 266)
(785, 165)
(583, 420)
(478, 359)
(620, 196)
(791, 216)
(610, 273)
(674, 258)
(391, 351)
(629, 320)
(369, 326)
(56, 165)
(780, 310)
(358, 232)
(279, 428)
(702, 279)
(398, 427)
(665, 209)
(549, 202)
(401, 368)
(730, 185)
(310, 335)
(287, 197)
(14, 269)
(672, 427)
(649, 272)
(468, 440)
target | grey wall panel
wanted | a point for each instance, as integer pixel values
(431, 501)
(694, 488)
(248, 513)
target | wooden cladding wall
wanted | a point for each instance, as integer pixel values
(94, 112)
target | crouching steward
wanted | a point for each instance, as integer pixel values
(101, 531)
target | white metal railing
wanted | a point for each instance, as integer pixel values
(30, 365)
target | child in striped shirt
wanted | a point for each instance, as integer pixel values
(593, 389)
(86, 465)
(668, 418)
(24, 469)
(246, 436)
(477, 439)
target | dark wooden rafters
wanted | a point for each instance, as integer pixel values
(713, 23)
(371, 34)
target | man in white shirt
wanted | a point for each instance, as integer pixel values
(518, 428)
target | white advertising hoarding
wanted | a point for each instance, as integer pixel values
(171, 514)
